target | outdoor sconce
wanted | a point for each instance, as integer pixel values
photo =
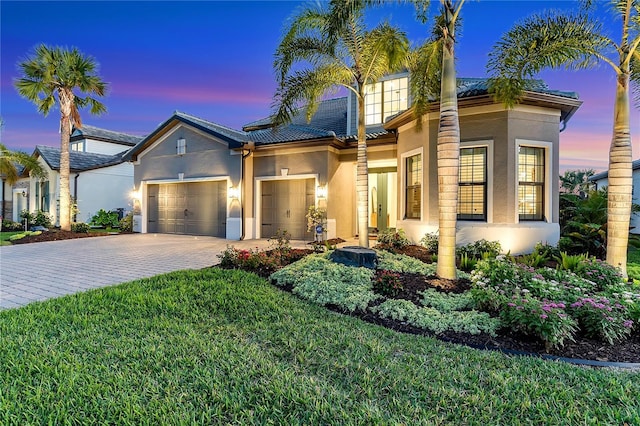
(24, 193)
(321, 191)
(234, 192)
(135, 195)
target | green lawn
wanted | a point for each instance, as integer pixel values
(226, 347)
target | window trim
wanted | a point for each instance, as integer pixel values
(403, 167)
(488, 144)
(547, 186)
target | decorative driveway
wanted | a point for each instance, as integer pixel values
(40, 271)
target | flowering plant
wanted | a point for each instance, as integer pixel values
(545, 319)
(601, 317)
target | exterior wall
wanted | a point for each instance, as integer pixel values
(102, 147)
(14, 200)
(502, 131)
(206, 159)
(341, 202)
(635, 217)
(107, 188)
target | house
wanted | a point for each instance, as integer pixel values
(196, 177)
(601, 180)
(100, 178)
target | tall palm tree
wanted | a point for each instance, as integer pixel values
(433, 76)
(330, 48)
(577, 41)
(67, 76)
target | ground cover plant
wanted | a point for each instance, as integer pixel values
(218, 346)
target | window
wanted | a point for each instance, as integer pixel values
(42, 196)
(531, 173)
(385, 99)
(472, 189)
(77, 146)
(413, 185)
(181, 147)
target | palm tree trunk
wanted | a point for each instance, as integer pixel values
(448, 163)
(620, 179)
(66, 103)
(362, 175)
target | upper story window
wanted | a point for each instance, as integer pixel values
(77, 146)
(413, 186)
(384, 99)
(472, 189)
(181, 146)
(531, 177)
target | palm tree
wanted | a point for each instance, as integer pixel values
(576, 41)
(331, 49)
(576, 181)
(433, 76)
(52, 71)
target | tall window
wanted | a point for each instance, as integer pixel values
(42, 196)
(385, 99)
(181, 146)
(472, 189)
(531, 174)
(413, 186)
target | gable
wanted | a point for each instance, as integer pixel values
(196, 141)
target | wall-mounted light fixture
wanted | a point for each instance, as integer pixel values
(233, 193)
(135, 195)
(321, 191)
(24, 193)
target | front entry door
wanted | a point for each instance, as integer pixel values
(382, 199)
(284, 207)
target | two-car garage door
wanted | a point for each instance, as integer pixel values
(193, 208)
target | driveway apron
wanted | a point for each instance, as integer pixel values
(40, 271)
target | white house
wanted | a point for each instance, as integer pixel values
(601, 180)
(99, 176)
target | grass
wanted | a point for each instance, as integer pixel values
(226, 347)
(4, 237)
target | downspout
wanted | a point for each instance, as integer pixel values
(242, 182)
(75, 196)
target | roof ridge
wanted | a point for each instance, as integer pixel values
(107, 130)
(176, 112)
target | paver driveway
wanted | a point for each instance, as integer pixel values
(39, 271)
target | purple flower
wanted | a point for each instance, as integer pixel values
(628, 323)
(543, 316)
(511, 304)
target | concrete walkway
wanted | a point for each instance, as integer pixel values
(40, 271)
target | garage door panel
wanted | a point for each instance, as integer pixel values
(284, 206)
(193, 208)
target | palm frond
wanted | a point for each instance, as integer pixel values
(9, 159)
(305, 88)
(550, 40)
(425, 64)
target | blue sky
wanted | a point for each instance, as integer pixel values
(213, 59)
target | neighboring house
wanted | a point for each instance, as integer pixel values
(196, 177)
(601, 180)
(13, 196)
(99, 178)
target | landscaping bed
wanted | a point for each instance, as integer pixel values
(365, 303)
(57, 235)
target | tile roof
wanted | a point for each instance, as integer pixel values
(237, 135)
(469, 87)
(289, 133)
(91, 132)
(78, 161)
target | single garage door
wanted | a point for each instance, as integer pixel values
(284, 207)
(195, 208)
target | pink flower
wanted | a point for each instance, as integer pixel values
(544, 316)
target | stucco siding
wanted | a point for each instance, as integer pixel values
(107, 188)
(204, 157)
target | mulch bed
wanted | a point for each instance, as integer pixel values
(57, 235)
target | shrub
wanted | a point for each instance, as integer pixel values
(387, 283)
(600, 272)
(467, 263)
(316, 216)
(23, 234)
(403, 263)
(80, 227)
(447, 302)
(324, 282)
(480, 249)
(570, 262)
(430, 242)
(599, 317)
(393, 239)
(545, 319)
(9, 225)
(431, 319)
(280, 245)
(104, 219)
(126, 223)
(38, 218)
